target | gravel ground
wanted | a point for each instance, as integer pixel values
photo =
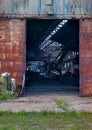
(46, 101)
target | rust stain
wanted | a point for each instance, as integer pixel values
(86, 57)
(12, 56)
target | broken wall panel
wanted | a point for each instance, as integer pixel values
(12, 47)
(86, 57)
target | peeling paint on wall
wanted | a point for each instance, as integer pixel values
(33, 7)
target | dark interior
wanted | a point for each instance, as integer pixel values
(52, 55)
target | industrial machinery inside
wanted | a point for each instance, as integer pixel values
(52, 55)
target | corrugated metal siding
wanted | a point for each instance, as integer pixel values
(63, 7)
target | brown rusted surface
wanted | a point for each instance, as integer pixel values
(86, 57)
(12, 47)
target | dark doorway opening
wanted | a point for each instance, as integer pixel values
(52, 55)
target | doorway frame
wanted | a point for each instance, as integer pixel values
(53, 18)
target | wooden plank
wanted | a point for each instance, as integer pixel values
(11, 6)
(89, 6)
(58, 6)
(1, 6)
(36, 7)
(77, 7)
(7, 6)
(23, 7)
(43, 7)
(15, 6)
(33, 7)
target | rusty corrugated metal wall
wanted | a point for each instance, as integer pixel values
(39, 7)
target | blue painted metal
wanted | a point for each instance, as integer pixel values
(37, 7)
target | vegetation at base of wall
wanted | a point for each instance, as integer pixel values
(8, 84)
(1, 80)
(6, 95)
(61, 103)
(9, 87)
(90, 96)
(46, 120)
(1, 87)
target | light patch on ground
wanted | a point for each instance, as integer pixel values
(46, 101)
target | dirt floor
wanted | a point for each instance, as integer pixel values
(46, 101)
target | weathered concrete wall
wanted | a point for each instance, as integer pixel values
(86, 57)
(12, 47)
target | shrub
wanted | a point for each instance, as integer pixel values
(1, 80)
(9, 85)
(1, 87)
(6, 95)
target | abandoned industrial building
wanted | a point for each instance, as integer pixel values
(48, 41)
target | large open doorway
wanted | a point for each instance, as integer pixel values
(52, 55)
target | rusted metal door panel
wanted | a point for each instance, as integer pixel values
(86, 57)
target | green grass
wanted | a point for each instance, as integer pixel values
(6, 95)
(46, 120)
(61, 103)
